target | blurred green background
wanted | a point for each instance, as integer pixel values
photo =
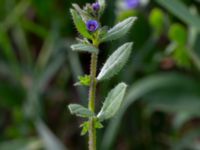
(37, 71)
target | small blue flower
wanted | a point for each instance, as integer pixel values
(130, 4)
(96, 6)
(92, 25)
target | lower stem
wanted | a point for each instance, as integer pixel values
(91, 104)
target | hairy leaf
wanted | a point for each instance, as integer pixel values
(85, 128)
(80, 24)
(83, 80)
(115, 62)
(112, 102)
(119, 30)
(84, 14)
(80, 111)
(84, 48)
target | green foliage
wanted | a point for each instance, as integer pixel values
(157, 20)
(83, 80)
(112, 102)
(80, 111)
(119, 30)
(179, 9)
(178, 34)
(181, 57)
(85, 127)
(98, 124)
(36, 73)
(80, 24)
(84, 48)
(115, 62)
(21, 144)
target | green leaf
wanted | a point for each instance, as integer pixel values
(138, 90)
(85, 128)
(9, 100)
(49, 140)
(188, 140)
(98, 124)
(82, 47)
(181, 11)
(181, 118)
(119, 30)
(181, 57)
(115, 62)
(80, 24)
(80, 111)
(112, 102)
(22, 144)
(83, 80)
(156, 20)
(84, 14)
(177, 33)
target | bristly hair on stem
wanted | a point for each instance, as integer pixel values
(87, 23)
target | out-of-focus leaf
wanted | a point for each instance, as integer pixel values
(137, 90)
(181, 57)
(157, 19)
(34, 28)
(49, 49)
(194, 57)
(119, 30)
(178, 34)
(51, 142)
(115, 62)
(76, 69)
(80, 111)
(181, 118)
(15, 14)
(190, 140)
(8, 51)
(50, 71)
(112, 102)
(181, 11)
(22, 44)
(179, 97)
(80, 24)
(22, 144)
(11, 100)
(84, 48)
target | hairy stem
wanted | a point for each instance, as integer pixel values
(91, 104)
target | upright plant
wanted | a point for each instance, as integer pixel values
(87, 22)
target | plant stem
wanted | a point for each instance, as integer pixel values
(91, 105)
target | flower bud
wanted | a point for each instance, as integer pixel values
(95, 6)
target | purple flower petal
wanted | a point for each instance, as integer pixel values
(130, 4)
(92, 25)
